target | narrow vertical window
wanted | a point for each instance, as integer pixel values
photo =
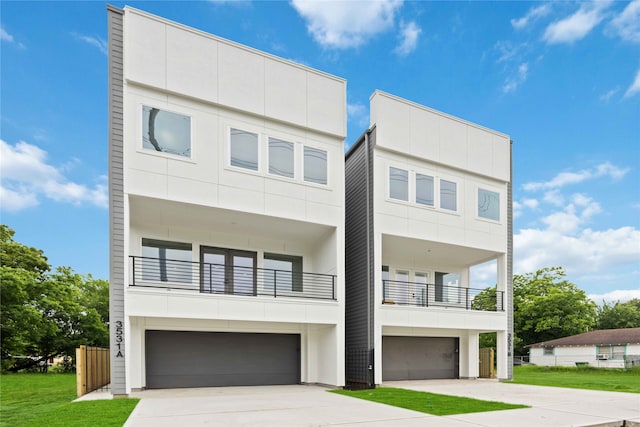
(448, 195)
(488, 204)
(399, 184)
(315, 165)
(166, 132)
(424, 189)
(281, 158)
(244, 149)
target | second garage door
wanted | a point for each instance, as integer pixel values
(209, 359)
(419, 358)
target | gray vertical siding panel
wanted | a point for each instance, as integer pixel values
(358, 257)
(510, 264)
(116, 197)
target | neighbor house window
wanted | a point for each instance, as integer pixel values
(448, 195)
(166, 132)
(547, 351)
(315, 165)
(612, 351)
(281, 158)
(398, 184)
(165, 261)
(244, 149)
(424, 189)
(283, 271)
(488, 204)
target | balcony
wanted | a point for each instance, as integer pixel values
(431, 295)
(223, 279)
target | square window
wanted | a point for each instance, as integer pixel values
(488, 204)
(424, 189)
(315, 165)
(166, 132)
(448, 195)
(399, 184)
(164, 261)
(244, 149)
(281, 159)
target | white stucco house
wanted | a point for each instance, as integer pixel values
(226, 172)
(428, 196)
(607, 348)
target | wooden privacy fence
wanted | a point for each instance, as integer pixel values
(93, 369)
(487, 363)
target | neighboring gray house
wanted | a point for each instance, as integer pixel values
(607, 348)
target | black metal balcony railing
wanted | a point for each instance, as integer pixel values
(227, 279)
(428, 295)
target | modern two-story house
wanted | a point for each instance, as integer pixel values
(428, 196)
(226, 172)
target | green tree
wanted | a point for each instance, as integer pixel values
(619, 315)
(44, 314)
(547, 306)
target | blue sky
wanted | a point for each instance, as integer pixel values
(561, 78)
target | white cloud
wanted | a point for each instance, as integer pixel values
(409, 34)
(530, 203)
(358, 113)
(635, 86)
(621, 295)
(96, 42)
(606, 97)
(346, 24)
(6, 37)
(578, 25)
(512, 83)
(532, 15)
(568, 178)
(26, 175)
(627, 24)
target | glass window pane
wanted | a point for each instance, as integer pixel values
(399, 184)
(283, 270)
(281, 159)
(213, 273)
(424, 189)
(448, 195)
(166, 132)
(243, 273)
(166, 261)
(488, 204)
(244, 149)
(315, 165)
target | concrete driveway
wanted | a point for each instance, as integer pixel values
(308, 405)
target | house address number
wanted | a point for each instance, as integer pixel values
(119, 338)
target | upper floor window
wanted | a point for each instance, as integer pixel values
(244, 149)
(315, 165)
(424, 189)
(281, 158)
(399, 184)
(166, 132)
(448, 195)
(488, 204)
(166, 261)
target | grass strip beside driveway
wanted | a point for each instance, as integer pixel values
(429, 403)
(589, 378)
(46, 400)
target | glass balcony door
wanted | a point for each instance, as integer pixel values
(228, 271)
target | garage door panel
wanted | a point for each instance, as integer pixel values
(419, 358)
(205, 359)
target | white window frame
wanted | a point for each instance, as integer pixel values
(436, 192)
(296, 161)
(248, 129)
(140, 148)
(301, 157)
(410, 186)
(500, 197)
(439, 190)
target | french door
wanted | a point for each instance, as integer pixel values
(228, 271)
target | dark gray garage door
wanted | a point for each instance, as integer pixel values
(208, 359)
(419, 358)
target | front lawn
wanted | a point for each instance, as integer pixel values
(587, 378)
(46, 400)
(429, 403)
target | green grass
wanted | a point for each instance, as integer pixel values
(46, 400)
(429, 403)
(585, 377)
